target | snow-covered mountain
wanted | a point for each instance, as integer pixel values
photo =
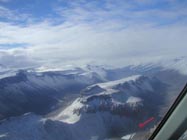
(100, 101)
(121, 103)
(39, 91)
(109, 111)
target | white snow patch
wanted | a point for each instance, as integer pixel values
(128, 137)
(8, 74)
(95, 68)
(3, 135)
(87, 74)
(54, 68)
(68, 115)
(133, 99)
(110, 84)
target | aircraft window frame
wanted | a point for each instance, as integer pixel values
(180, 130)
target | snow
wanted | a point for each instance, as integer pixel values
(108, 86)
(96, 69)
(47, 69)
(68, 115)
(94, 138)
(3, 135)
(133, 99)
(87, 74)
(8, 74)
(111, 84)
(128, 137)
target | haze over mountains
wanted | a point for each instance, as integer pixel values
(94, 102)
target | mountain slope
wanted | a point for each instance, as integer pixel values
(101, 102)
(39, 92)
(115, 110)
(122, 103)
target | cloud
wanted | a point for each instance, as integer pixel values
(114, 33)
(12, 15)
(4, 12)
(126, 12)
(16, 59)
(61, 44)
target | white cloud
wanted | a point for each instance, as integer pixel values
(125, 12)
(13, 15)
(16, 59)
(67, 44)
(5, 12)
(87, 35)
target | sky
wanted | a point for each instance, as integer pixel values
(57, 33)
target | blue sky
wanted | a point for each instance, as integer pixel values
(160, 11)
(48, 32)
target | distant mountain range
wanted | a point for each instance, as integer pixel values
(92, 102)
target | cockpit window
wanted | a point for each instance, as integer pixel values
(184, 136)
